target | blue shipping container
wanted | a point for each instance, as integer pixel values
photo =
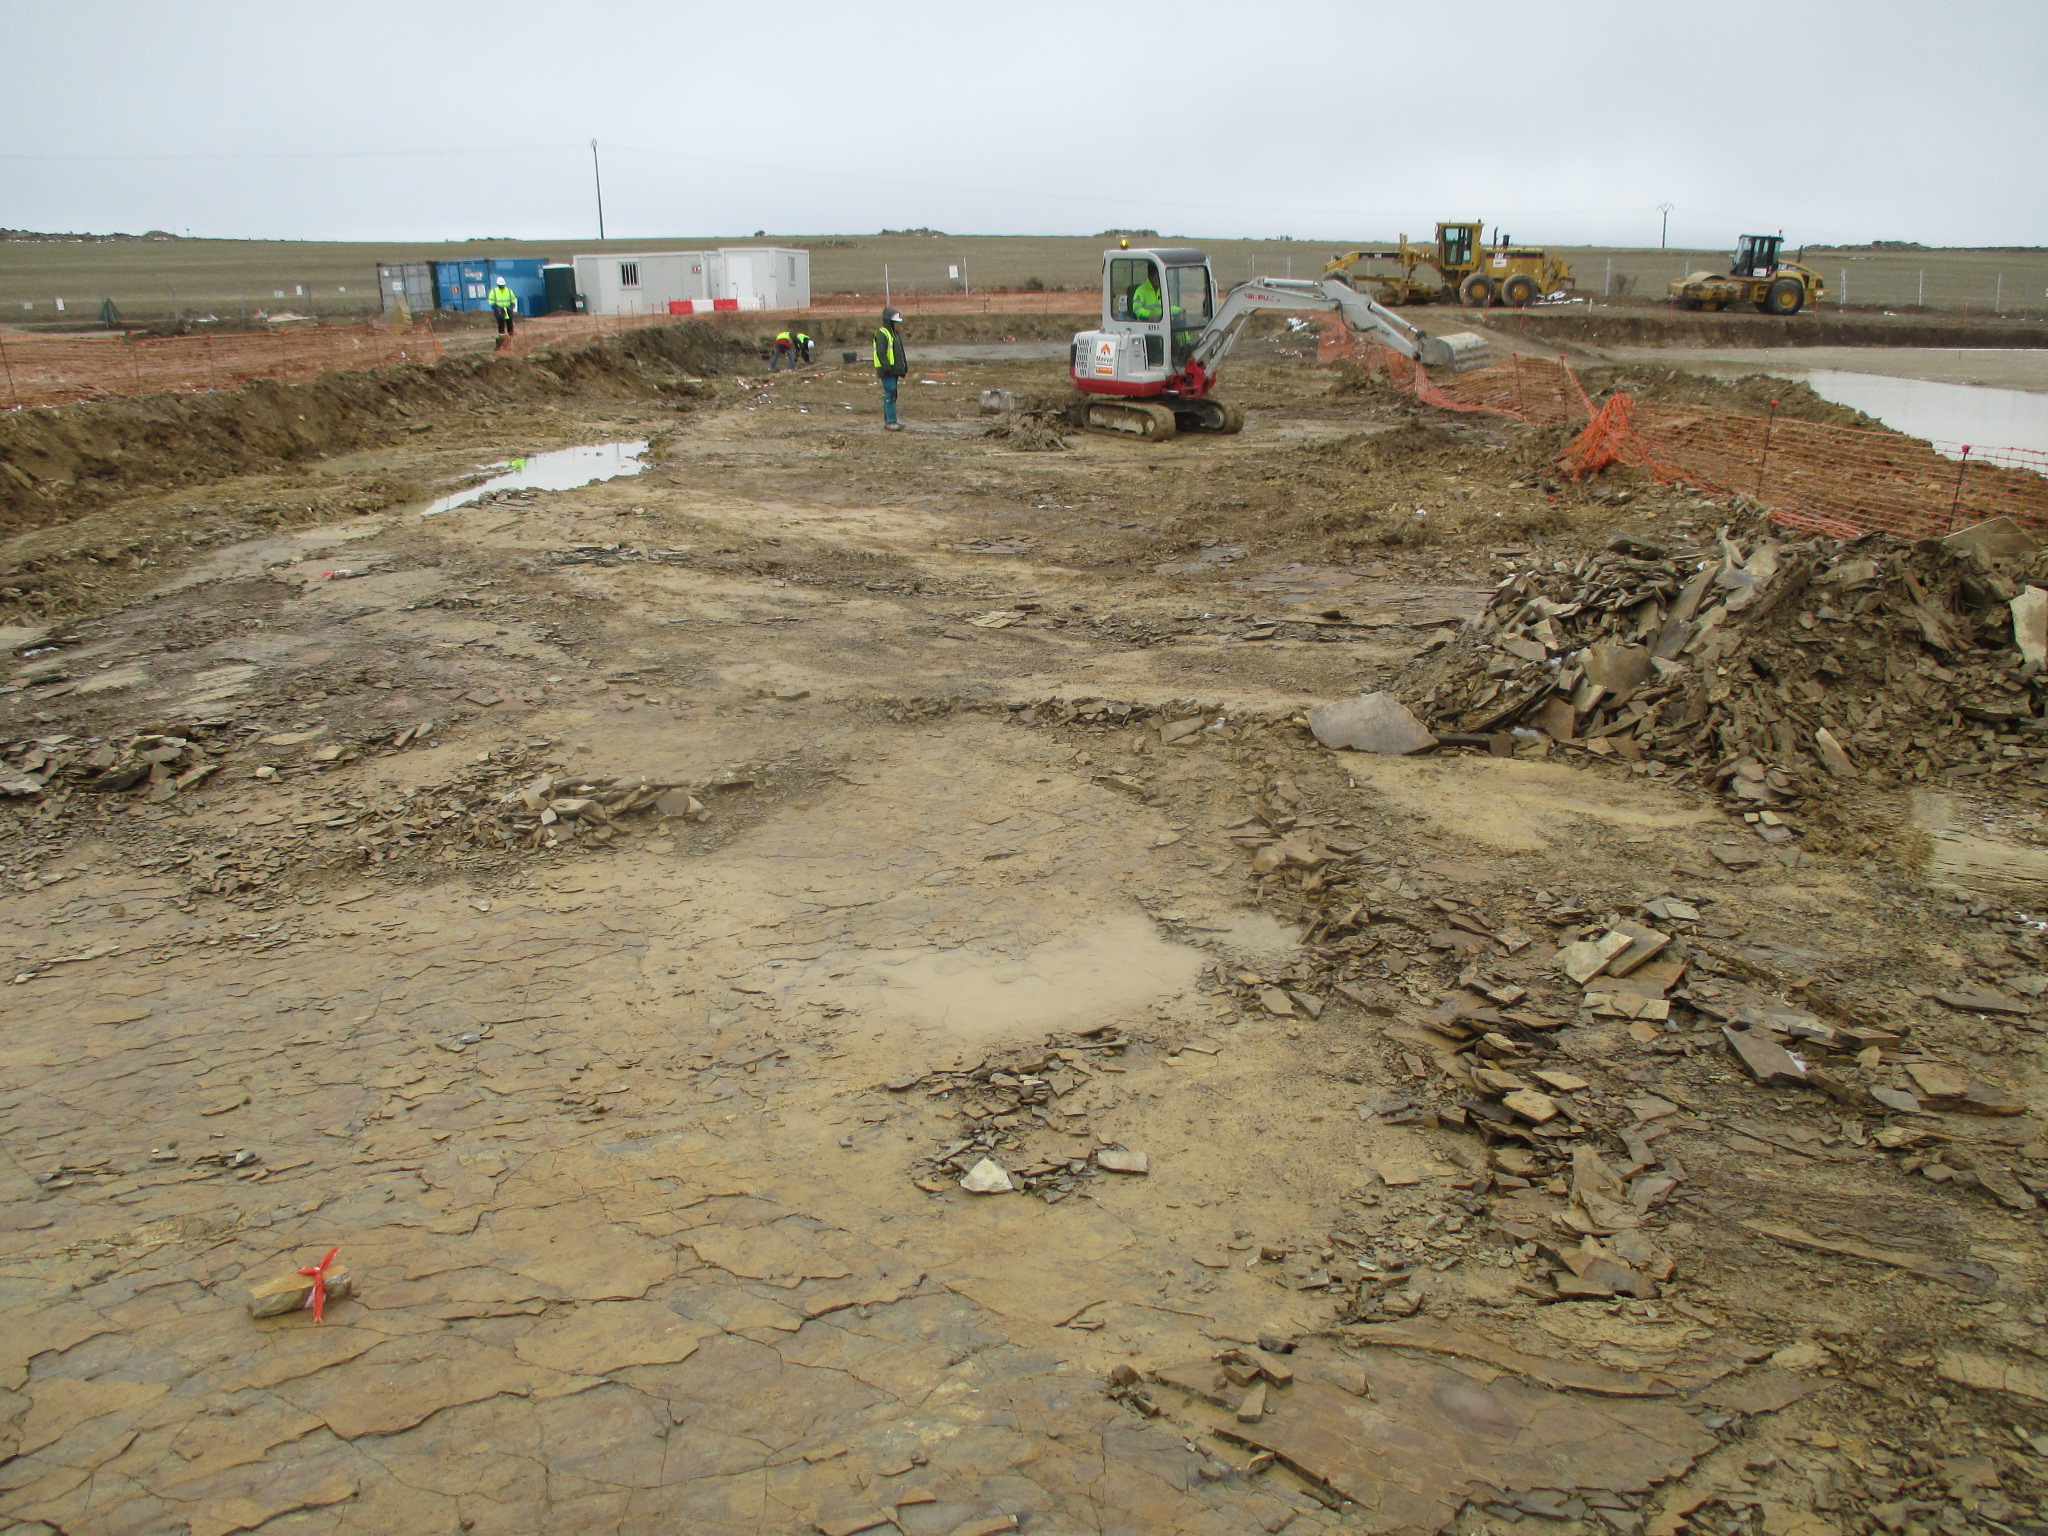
(465, 284)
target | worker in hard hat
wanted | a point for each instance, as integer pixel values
(504, 304)
(803, 344)
(891, 364)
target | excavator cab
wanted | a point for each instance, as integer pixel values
(1155, 306)
(1756, 256)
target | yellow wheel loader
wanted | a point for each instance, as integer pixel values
(1756, 277)
(1460, 268)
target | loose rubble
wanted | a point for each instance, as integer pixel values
(1024, 1121)
(1774, 672)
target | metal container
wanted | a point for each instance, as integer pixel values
(467, 284)
(558, 285)
(409, 283)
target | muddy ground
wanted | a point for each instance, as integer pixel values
(616, 919)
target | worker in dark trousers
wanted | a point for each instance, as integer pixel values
(890, 364)
(803, 344)
(504, 305)
(784, 355)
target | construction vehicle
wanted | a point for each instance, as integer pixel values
(1460, 268)
(1150, 371)
(1755, 276)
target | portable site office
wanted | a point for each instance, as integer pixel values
(657, 282)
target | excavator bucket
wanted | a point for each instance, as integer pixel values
(1461, 351)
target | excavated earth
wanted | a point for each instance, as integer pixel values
(627, 922)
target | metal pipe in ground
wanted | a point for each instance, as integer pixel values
(1770, 423)
(1956, 501)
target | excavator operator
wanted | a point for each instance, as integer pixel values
(1145, 303)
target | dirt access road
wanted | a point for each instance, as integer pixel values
(940, 774)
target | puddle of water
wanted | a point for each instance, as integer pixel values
(1947, 415)
(562, 470)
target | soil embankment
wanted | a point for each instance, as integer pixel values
(58, 464)
(1611, 325)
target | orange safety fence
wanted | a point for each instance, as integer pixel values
(551, 331)
(1523, 387)
(1840, 481)
(64, 370)
(996, 301)
(531, 336)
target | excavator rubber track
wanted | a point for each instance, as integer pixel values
(1146, 420)
(1154, 421)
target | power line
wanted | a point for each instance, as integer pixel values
(1116, 200)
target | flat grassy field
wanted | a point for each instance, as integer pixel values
(149, 279)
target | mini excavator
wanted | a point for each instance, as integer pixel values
(1149, 372)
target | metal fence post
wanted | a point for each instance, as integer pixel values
(13, 399)
(1956, 501)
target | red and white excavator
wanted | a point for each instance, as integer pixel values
(1149, 371)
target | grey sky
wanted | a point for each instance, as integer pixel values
(1836, 120)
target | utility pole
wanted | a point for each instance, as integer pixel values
(885, 284)
(597, 177)
(1664, 234)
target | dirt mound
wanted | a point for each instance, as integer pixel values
(1611, 326)
(58, 464)
(1033, 423)
(1773, 671)
(1752, 395)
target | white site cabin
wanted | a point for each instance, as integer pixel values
(733, 277)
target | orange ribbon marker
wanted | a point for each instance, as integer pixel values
(317, 1302)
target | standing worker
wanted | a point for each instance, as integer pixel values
(890, 364)
(785, 353)
(505, 305)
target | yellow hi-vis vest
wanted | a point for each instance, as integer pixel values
(502, 297)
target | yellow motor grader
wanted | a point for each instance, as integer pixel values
(1460, 268)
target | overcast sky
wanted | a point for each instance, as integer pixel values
(1567, 121)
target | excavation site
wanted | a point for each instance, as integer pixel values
(599, 943)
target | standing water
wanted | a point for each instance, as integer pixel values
(1947, 415)
(562, 470)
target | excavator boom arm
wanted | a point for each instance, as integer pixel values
(1458, 352)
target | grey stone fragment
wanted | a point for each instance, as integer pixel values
(1372, 722)
(987, 1177)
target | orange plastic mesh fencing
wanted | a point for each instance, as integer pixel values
(551, 331)
(996, 301)
(1522, 387)
(36, 370)
(531, 336)
(1841, 481)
